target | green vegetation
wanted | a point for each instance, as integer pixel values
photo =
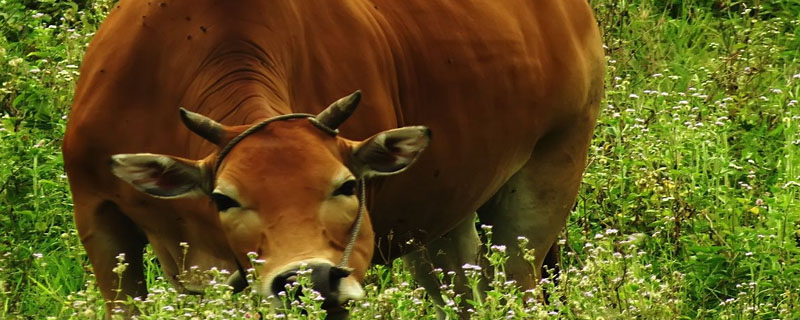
(690, 206)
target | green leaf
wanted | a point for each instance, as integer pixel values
(40, 226)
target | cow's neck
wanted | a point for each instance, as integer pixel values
(239, 83)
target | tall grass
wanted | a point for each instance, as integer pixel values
(41, 46)
(689, 206)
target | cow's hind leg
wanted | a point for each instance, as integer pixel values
(536, 201)
(451, 252)
(106, 233)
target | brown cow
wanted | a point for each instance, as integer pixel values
(510, 89)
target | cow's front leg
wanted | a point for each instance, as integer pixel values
(107, 233)
(459, 247)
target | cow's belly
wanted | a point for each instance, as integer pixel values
(448, 184)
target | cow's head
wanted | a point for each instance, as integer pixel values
(287, 191)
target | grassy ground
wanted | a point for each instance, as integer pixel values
(690, 206)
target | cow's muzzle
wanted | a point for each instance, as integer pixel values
(333, 283)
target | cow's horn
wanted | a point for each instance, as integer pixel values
(203, 126)
(335, 114)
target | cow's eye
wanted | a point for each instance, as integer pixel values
(224, 202)
(346, 189)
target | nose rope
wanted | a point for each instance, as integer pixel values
(362, 197)
(354, 231)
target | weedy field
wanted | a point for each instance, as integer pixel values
(690, 205)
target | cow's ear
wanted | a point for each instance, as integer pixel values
(159, 175)
(391, 151)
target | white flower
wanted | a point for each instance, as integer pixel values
(468, 266)
(15, 62)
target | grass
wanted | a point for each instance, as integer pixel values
(690, 206)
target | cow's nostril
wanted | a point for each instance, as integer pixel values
(339, 273)
(280, 281)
